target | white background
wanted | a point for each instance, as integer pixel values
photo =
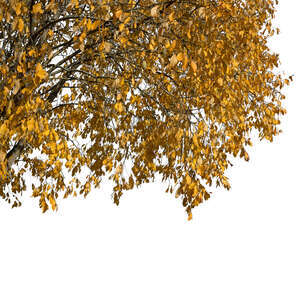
(241, 244)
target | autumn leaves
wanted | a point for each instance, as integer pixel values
(175, 87)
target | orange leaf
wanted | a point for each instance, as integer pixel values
(37, 8)
(40, 72)
(194, 66)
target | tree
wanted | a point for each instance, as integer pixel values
(132, 89)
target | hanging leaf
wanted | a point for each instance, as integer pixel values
(37, 8)
(40, 72)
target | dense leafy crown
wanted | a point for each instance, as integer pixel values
(132, 89)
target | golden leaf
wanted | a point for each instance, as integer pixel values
(173, 45)
(180, 56)
(173, 60)
(188, 179)
(194, 66)
(3, 129)
(195, 140)
(89, 25)
(201, 12)
(31, 124)
(220, 81)
(40, 72)
(2, 156)
(31, 52)
(16, 87)
(121, 27)
(119, 107)
(18, 8)
(43, 205)
(37, 8)
(20, 25)
(235, 63)
(185, 62)
(171, 16)
(107, 47)
(50, 32)
(119, 14)
(52, 202)
(154, 11)
(52, 146)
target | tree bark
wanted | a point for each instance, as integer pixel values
(14, 153)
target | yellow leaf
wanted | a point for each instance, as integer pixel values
(31, 124)
(173, 45)
(18, 8)
(185, 62)
(121, 27)
(46, 132)
(82, 37)
(119, 107)
(188, 179)
(3, 129)
(119, 14)
(2, 156)
(127, 20)
(190, 216)
(20, 25)
(235, 63)
(52, 202)
(89, 25)
(173, 60)
(31, 53)
(220, 81)
(40, 72)
(154, 11)
(171, 16)
(201, 12)
(195, 140)
(16, 87)
(43, 205)
(194, 66)
(37, 8)
(167, 44)
(50, 33)
(52, 146)
(180, 56)
(19, 69)
(107, 47)
(123, 40)
(189, 34)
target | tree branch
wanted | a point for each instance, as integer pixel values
(14, 153)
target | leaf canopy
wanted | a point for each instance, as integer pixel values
(132, 89)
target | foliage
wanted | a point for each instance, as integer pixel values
(132, 89)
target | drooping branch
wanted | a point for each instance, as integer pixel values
(14, 153)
